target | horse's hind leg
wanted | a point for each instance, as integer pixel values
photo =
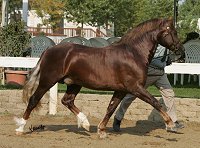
(147, 97)
(68, 101)
(114, 102)
(33, 102)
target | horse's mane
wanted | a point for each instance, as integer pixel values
(140, 30)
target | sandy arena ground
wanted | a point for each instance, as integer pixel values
(62, 132)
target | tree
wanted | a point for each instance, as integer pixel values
(14, 7)
(148, 9)
(123, 14)
(142, 10)
(189, 13)
(100, 12)
(78, 11)
(51, 11)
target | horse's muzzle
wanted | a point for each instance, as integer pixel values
(180, 50)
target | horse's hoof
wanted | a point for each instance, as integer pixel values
(171, 129)
(101, 134)
(86, 126)
(83, 121)
(19, 133)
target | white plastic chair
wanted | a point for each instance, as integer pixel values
(192, 55)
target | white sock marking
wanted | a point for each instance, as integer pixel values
(83, 121)
(21, 123)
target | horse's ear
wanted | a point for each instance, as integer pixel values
(168, 22)
(170, 18)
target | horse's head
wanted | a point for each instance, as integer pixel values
(168, 37)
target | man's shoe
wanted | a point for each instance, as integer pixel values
(178, 125)
(116, 125)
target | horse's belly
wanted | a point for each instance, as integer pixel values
(96, 85)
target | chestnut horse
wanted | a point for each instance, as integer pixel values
(120, 67)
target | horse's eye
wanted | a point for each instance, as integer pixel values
(168, 28)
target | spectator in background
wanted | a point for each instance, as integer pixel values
(191, 36)
(157, 77)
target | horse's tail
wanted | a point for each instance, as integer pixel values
(32, 84)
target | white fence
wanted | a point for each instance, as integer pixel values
(24, 62)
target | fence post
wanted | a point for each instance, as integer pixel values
(53, 99)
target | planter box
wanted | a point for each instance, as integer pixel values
(16, 77)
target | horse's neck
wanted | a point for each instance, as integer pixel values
(145, 49)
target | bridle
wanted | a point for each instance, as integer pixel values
(174, 44)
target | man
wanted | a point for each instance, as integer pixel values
(157, 77)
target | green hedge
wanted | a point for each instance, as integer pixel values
(14, 39)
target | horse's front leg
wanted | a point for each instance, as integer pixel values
(68, 101)
(114, 102)
(144, 95)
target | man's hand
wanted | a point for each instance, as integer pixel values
(169, 61)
